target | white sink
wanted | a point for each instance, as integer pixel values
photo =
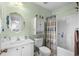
(16, 43)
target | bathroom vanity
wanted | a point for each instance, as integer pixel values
(18, 48)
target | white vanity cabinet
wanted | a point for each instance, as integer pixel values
(24, 50)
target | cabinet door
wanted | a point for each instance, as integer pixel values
(28, 50)
(16, 51)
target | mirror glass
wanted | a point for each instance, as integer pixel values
(14, 22)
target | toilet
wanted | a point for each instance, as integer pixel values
(43, 50)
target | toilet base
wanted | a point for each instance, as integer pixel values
(38, 54)
(42, 51)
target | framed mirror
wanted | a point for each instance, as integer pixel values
(14, 22)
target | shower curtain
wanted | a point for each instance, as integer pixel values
(51, 34)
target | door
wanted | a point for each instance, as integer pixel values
(16, 51)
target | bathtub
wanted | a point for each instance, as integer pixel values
(64, 52)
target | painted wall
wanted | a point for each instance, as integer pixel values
(28, 12)
(68, 13)
(61, 29)
(65, 10)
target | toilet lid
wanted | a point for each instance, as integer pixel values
(44, 49)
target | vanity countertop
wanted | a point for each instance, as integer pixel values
(11, 44)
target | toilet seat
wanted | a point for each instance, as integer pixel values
(45, 50)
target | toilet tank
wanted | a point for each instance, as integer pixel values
(38, 42)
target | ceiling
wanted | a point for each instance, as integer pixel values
(52, 5)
